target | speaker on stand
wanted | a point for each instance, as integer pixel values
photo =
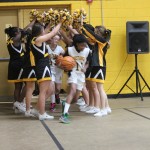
(137, 40)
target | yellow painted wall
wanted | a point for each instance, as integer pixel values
(114, 14)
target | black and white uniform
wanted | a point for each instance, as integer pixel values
(76, 75)
(88, 70)
(98, 63)
(41, 59)
(56, 72)
(28, 67)
(15, 67)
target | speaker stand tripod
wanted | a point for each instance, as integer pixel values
(138, 84)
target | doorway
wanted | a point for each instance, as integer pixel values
(6, 18)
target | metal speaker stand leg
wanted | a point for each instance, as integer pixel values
(138, 84)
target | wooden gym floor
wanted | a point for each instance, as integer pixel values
(127, 128)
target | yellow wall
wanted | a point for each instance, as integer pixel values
(115, 15)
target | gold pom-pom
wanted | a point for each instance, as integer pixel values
(66, 18)
(33, 14)
(79, 17)
(40, 18)
(56, 16)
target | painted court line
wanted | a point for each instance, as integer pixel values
(137, 113)
(52, 136)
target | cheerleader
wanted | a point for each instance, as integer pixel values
(29, 76)
(55, 50)
(89, 108)
(42, 67)
(101, 37)
(15, 67)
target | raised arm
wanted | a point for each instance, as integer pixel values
(30, 25)
(73, 31)
(48, 36)
(47, 29)
(66, 39)
(90, 33)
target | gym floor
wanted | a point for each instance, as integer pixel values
(127, 128)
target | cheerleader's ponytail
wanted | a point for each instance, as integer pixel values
(11, 31)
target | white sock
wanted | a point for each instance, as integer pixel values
(66, 108)
(53, 98)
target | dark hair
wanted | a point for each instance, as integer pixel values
(106, 33)
(90, 27)
(11, 31)
(79, 38)
(36, 29)
(101, 30)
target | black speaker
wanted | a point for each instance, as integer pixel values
(137, 34)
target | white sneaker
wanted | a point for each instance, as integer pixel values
(34, 112)
(28, 114)
(108, 109)
(83, 106)
(99, 114)
(93, 110)
(103, 112)
(86, 108)
(45, 116)
(24, 105)
(19, 106)
(80, 102)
